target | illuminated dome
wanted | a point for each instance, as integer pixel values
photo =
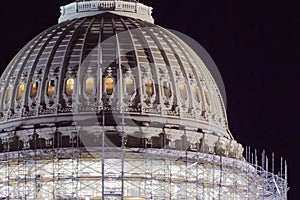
(69, 66)
(106, 104)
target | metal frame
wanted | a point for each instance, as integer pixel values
(146, 173)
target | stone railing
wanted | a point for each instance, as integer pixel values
(115, 5)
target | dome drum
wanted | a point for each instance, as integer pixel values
(89, 135)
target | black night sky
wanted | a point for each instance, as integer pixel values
(255, 45)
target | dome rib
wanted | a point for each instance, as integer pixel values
(11, 69)
(81, 64)
(192, 63)
(38, 41)
(118, 62)
(168, 65)
(48, 65)
(39, 50)
(153, 64)
(204, 70)
(65, 59)
(136, 60)
(136, 32)
(183, 70)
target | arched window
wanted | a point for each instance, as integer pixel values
(70, 86)
(109, 86)
(51, 88)
(207, 97)
(196, 93)
(167, 90)
(129, 82)
(149, 88)
(182, 91)
(8, 94)
(89, 86)
(20, 91)
(34, 89)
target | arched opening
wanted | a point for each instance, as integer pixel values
(182, 91)
(51, 88)
(20, 91)
(89, 86)
(129, 82)
(207, 98)
(149, 88)
(109, 86)
(70, 83)
(196, 93)
(34, 89)
(8, 94)
(167, 90)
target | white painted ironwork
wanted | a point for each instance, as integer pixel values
(89, 8)
(70, 173)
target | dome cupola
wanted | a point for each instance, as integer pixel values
(126, 8)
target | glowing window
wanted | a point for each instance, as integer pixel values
(89, 86)
(20, 91)
(207, 97)
(129, 82)
(149, 87)
(166, 89)
(109, 86)
(51, 88)
(182, 91)
(34, 89)
(196, 93)
(8, 94)
(70, 86)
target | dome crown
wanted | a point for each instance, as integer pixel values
(84, 8)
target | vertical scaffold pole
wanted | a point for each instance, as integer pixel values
(103, 140)
(286, 178)
(123, 153)
(221, 174)
(273, 163)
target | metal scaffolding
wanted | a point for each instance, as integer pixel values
(135, 173)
